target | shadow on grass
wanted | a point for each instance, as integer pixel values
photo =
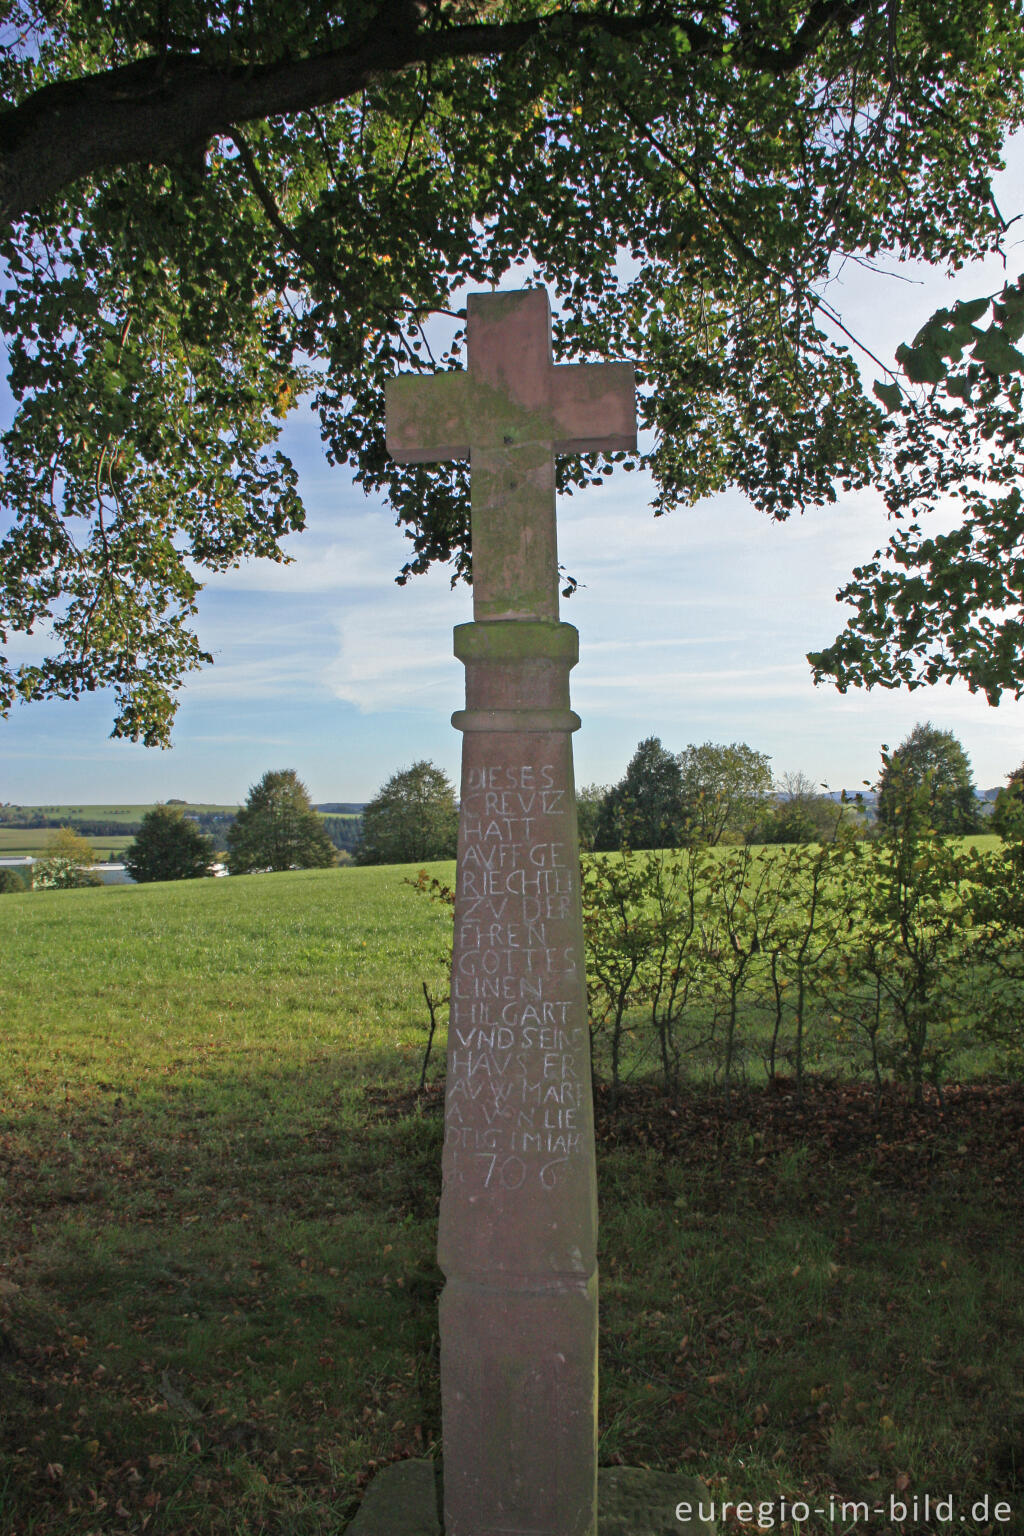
(218, 1306)
(220, 1296)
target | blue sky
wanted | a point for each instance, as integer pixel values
(693, 627)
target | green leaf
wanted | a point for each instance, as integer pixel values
(889, 394)
(922, 365)
(966, 311)
(997, 354)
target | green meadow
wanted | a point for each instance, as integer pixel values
(18, 841)
(218, 1196)
(129, 813)
(27, 830)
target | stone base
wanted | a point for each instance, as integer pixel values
(403, 1500)
(631, 1501)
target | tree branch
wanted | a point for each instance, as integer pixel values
(159, 107)
(264, 195)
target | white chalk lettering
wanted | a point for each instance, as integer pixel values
(518, 1032)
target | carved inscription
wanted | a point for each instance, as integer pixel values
(517, 1036)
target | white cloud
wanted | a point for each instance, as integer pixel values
(395, 652)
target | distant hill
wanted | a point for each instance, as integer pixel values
(118, 824)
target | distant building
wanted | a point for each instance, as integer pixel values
(109, 874)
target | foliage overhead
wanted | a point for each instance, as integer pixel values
(210, 211)
(412, 817)
(927, 777)
(169, 846)
(929, 608)
(277, 828)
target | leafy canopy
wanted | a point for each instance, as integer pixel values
(929, 608)
(210, 211)
(412, 817)
(169, 846)
(645, 809)
(278, 829)
(929, 776)
(726, 790)
(1008, 813)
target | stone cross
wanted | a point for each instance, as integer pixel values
(518, 1224)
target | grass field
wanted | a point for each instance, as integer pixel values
(34, 841)
(218, 1195)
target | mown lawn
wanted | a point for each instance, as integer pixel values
(218, 1193)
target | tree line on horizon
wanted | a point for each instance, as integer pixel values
(714, 794)
(707, 795)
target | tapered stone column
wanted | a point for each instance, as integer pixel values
(518, 1223)
(519, 1210)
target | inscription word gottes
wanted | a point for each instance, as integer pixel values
(518, 1043)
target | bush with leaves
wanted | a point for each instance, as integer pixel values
(679, 887)
(67, 863)
(618, 933)
(744, 913)
(911, 968)
(436, 994)
(806, 948)
(12, 881)
(997, 906)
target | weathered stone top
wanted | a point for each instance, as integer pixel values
(512, 393)
(509, 413)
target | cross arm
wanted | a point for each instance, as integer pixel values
(427, 417)
(594, 407)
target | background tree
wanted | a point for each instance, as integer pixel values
(726, 790)
(169, 846)
(66, 864)
(934, 758)
(1008, 813)
(277, 828)
(589, 800)
(800, 813)
(12, 881)
(412, 818)
(645, 808)
(209, 211)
